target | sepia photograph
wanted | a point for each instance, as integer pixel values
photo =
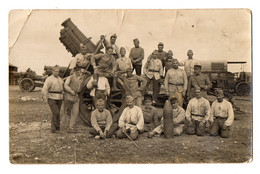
(130, 86)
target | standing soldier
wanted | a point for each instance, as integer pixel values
(176, 82)
(189, 64)
(198, 80)
(53, 94)
(169, 61)
(132, 81)
(72, 85)
(178, 120)
(123, 63)
(131, 120)
(99, 86)
(223, 115)
(153, 71)
(197, 114)
(137, 55)
(161, 54)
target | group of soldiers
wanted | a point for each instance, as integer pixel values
(160, 68)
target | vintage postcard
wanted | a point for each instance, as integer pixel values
(130, 86)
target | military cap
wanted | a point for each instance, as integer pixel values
(170, 53)
(197, 88)
(109, 47)
(114, 35)
(129, 97)
(197, 66)
(148, 97)
(160, 44)
(219, 92)
(173, 99)
(129, 69)
(100, 101)
(136, 39)
(190, 51)
(122, 48)
(55, 67)
(175, 60)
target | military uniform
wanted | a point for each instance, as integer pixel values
(151, 118)
(103, 63)
(137, 54)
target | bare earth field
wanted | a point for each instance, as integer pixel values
(32, 143)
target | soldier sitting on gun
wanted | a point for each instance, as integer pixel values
(82, 59)
(223, 116)
(197, 114)
(99, 86)
(178, 120)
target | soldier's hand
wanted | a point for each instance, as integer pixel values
(124, 129)
(73, 93)
(134, 129)
(183, 93)
(101, 133)
(225, 126)
(45, 100)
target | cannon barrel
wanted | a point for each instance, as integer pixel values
(71, 37)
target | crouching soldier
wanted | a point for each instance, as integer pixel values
(197, 114)
(150, 113)
(101, 120)
(131, 121)
(178, 120)
(223, 115)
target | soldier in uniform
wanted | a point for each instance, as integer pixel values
(131, 81)
(189, 64)
(197, 114)
(137, 55)
(161, 54)
(176, 82)
(73, 86)
(222, 116)
(123, 63)
(178, 120)
(198, 80)
(131, 120)
(53, 94)
(169, 61)
(150, 113)
(111, 43)
(153, 71)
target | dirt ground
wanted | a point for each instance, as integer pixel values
(31, 141)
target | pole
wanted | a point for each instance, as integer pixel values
(132, 141)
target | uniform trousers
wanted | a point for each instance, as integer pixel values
(218, 128)
(55, 106)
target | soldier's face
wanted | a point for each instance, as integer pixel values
(129, 73)
(130, 102)
(136, 43)
(175, 64)
(77, 72)
(122, 52)
(148, 103)
(160, 48)
(110, 51)
(100, 106)
(174, 104)
(198, 94)
(196, 71)
(56, 72)
(113, 40)
(220, 97)
(190, 54)
(83, 51)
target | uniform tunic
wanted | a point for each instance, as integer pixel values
(137, 54)
(162, 55)
(101, 119)
(53, 84)
(198, 109)
(131, 118)
(222, 109)
(151, 117)
(123, 63)
(153, 68)
(189, 66)
(103, 62)
(102, 85)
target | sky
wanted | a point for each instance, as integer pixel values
(213, 35)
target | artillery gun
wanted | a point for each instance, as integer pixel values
(71, 37)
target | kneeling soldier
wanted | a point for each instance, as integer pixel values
(178, 120)
(131, 120)
(223, 115)
(101, 120)
(197, 114)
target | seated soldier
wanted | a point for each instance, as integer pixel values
(197, 114)
(82, 59)
(178, 120)
(101, 120)
(99, 86)
(223, 115)
(150, 114)
(131, 120)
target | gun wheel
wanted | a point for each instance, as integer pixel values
(243, 89)
(27, 84)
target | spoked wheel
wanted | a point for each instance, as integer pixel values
(115, 102)
(243, 89)
(27, 84)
